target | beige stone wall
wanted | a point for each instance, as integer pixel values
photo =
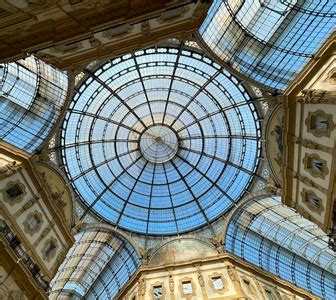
(310, 144)
(312, 95)
(33, 203)
(200, 274)
(8, 287)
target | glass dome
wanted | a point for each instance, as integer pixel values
(160, 141)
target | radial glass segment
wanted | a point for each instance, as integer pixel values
(160, 141)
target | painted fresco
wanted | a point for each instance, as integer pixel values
(274, 144)
(181, 251)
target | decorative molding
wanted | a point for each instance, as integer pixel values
(59, 259)
(234, 278)
(308, 160)
(253, 288)
(56, 196)
(310, 183)
(217, 241)
(97, 44)
(117, 31)
(53, 252)
(38, 216)
(67, 48)
(43, 234)
(146, 29)
(17, 199)
(41, 4)
(180, 12)
(224, 281)
(9, 169)
(171, 283)
(193, 287)
(331, 77)
(312, 145)
(271, 290)
(157, 284)
(315, 131)
(26, 206)
(313, 97)
(305, 199)
(271, 188)
(49, 59)
(142, 287)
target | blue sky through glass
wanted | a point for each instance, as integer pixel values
(202, 121)
(274, 237)
(268, 41)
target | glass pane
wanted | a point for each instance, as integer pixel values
(218, 283)
(187, 288)
(162, 141)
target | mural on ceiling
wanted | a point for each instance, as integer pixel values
(275, 146)
(181, 250)
(58, 191)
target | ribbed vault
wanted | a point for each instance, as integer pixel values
(268, 42)
(96, 267)
(32, 95)
(274, 237)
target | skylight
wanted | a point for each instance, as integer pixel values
(268, 41)
(160, 141)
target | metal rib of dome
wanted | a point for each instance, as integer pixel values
(160, 141)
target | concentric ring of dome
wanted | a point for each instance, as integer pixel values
(158, 144)
(199, 161)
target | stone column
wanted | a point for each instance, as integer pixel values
(236, 282)
(142, 288)
(202, 284)
(171, 286)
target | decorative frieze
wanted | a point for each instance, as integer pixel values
(310, 183)
(316, 97)
(9, 169)
(312, 145)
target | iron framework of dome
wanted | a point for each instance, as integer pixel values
(160, 141)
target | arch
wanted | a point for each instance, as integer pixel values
(275, 238)
(32, 96)
(97, 266)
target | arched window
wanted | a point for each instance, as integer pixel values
(315, 165)
(312, 200)
(33, 222)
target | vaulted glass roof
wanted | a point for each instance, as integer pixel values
(160, 141)
(274, 237)
(268, 41)
(96, 267)
(32, 95)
